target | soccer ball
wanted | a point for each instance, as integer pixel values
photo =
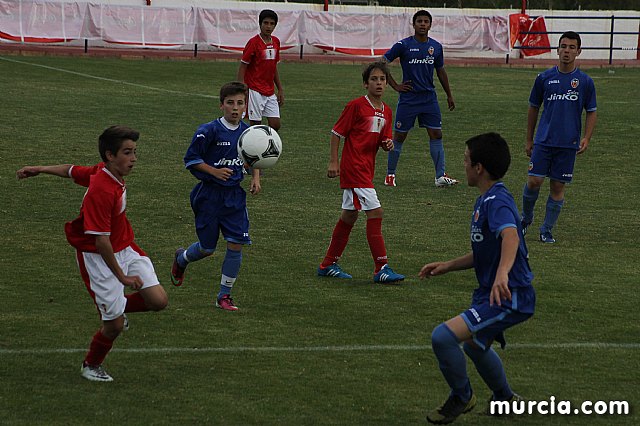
(260, 147)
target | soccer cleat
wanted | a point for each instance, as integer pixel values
(390, 180)
(445, 180)
(387, 276)
(95, 373)
(524, 224)
(333, 270)
(177, 271)
(547, 238)
(452, 408)
(226, 303)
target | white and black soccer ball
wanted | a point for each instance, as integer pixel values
(260, 147)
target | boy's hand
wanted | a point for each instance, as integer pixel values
(500, 290)
(387, 144)
(405, 86)
(432, 269)
(255, 187)
(133, 281)
(333, 170)
(27, 172)
(223, 174)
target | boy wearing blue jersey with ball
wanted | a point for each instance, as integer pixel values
(565, 92)
(504, 297)
(419, 56)
(218, 201)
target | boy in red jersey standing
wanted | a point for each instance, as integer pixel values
(365, 124)
(108, 258)
(259, 70)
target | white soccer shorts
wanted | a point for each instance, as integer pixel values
(360, 199)
(262, 106)
(108, 292)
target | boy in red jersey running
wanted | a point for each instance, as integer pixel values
(365, 124)
(259, 70)
(108, 258)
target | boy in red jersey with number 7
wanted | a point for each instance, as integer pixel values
(365, 124)
(108, 258)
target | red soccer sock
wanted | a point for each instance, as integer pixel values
(135, 303)
(98, 349)
(339, 240)
(376, 242)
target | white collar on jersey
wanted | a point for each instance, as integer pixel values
(104, 169)
(371, 103)
(228, 125)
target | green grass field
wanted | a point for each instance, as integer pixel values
(302, 350)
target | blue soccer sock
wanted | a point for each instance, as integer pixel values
(490, 368)
(451, 361)
(436, 149)
(194, 253)
(552, 213)
(529, 198)
(230, 270)
(394, 157)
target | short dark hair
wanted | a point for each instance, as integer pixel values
(232, 88)
(492, 151)
(267, 13)
(422, 13)
(571, 35)
(374, 66)
(112, 138)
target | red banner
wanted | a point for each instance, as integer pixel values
(519, 25)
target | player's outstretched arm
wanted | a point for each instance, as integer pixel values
(61, 170)
(440, 268)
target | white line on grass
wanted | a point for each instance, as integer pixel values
(178, 92)
(111, 80)
(346, 348)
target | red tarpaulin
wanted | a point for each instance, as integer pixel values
(520, 23)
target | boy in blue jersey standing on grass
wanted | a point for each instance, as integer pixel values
(504, 297)
(218, 201)
(419, 56)
(565, 91)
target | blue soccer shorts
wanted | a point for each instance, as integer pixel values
(488, 323)
(555, 163)
(220, 210)
(427, 112)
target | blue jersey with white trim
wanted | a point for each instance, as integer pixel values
(216, 145)
(494, 211)
(564, 96)
(418, 61)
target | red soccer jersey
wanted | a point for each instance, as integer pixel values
(262, 59)
(102, 211)
(363, 127)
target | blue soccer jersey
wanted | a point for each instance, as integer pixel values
(418, 61)
(564, 96)
(494, 211)
(216, 144)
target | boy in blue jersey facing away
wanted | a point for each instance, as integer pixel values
(565, 91)
(419, 56)
(504, 297)
(218, 201)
